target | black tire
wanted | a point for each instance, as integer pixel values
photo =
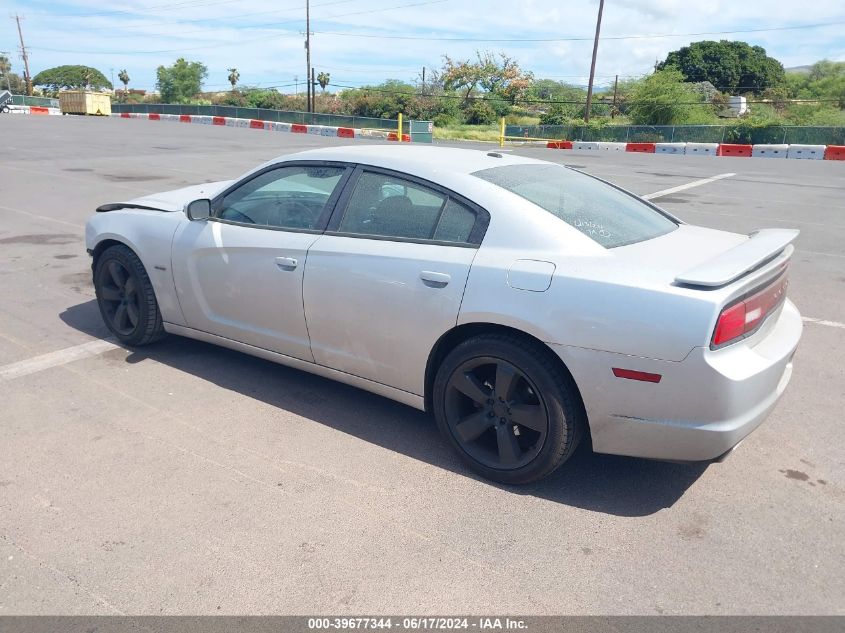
(126, 298)
(505, 438)
(6, 109)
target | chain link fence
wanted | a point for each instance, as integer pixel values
(42, 102)
(684, 133)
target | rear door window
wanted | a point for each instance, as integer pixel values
(605, 214)
(386, 206)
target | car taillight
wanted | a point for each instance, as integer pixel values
(742, 318)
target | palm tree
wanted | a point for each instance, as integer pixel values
(323, 80)
(124, 79)
(234, 75)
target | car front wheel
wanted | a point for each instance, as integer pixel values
(126, 297)
(508, 407)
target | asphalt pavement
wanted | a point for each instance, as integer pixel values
(183, 478)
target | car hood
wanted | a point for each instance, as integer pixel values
(169, 201)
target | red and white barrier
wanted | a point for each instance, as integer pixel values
(255, 124)
(769, 151)
(670, 148)
(812, 152)
(703, 149)
(643, 148)
(609, 146)
(815, 152)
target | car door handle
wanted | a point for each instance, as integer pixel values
(435, 280)
(286, 263)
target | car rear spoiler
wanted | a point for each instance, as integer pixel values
(761, 247)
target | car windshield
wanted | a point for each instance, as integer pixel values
(607, 215)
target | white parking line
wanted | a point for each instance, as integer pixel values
(689, 185)
(823, 322)
(54, 359)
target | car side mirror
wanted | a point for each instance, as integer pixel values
(199, 209)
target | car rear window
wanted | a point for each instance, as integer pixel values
(607, 215)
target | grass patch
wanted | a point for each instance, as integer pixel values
(467, 133)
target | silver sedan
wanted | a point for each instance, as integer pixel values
(526, 305)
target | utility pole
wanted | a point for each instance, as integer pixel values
(313, 91)
(423, 82)
(113, 91)
(308, 51)
(613, 107)
(296, 85)
(25, 58)
(593, 64)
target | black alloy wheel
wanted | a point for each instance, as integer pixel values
(495, 413)
(508, 406)
(126, 297)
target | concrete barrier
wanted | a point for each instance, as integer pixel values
(733, 149)
(256, 124)
(328, 131)
(298, 128)
(812, 152)
(218, 120)
(643, 148)
(769, 151)
(184, 118)
(559, 144)
(280, 127)
(670, 148)
(834, 152)
(612, 147)
(585, 145)
(346, 132)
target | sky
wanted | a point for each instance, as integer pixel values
(363, 42)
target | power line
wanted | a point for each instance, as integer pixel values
(579, 38)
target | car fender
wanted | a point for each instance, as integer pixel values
(150, 235)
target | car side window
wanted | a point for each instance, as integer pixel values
(288, 197)
(387, 206)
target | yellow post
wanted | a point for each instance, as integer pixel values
(399, 131)
(502, 132)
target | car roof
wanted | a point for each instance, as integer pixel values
(423, 161)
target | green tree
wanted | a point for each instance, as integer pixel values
(53, 80)
(123, 76)
(180, 82)
(5, 71)
(824, 81)
(662, 98)
(234, 76)
(499, 75)
(323, 79)
(733, 67)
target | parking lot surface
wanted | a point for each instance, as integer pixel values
(183, 478)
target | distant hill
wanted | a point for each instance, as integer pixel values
(799, 69)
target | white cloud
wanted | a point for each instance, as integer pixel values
(265, 42)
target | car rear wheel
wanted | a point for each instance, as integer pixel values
(511, 411)
(126, 298)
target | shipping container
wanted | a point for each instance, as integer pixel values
(74, 102)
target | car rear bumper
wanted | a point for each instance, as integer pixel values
(702, 407)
